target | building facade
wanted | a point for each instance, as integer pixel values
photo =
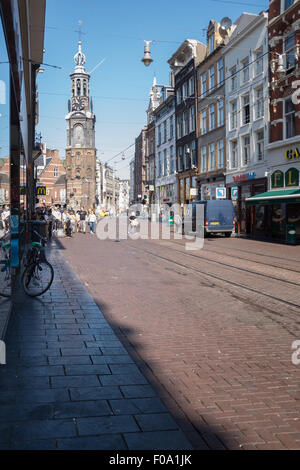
(124, 195)
(80, 149)
(211, 129)
(276, 213)
(52, 177)
(183, 63)
(140, 168)
(246, 91)
(165, 149)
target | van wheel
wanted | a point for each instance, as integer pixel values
(228, 234)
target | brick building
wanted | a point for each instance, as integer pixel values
(53, 178)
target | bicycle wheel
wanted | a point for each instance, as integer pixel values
(37, 278)
(5, 278)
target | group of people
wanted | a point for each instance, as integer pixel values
(67, 221)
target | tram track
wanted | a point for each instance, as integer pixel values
(220, 278)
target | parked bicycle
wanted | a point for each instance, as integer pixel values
(38, 273)
(5, 277)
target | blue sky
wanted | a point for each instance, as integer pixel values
(120, 86)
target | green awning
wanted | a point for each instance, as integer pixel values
(275, 197)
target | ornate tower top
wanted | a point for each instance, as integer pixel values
(79, 59)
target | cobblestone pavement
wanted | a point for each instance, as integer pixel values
(211, 330)
(70, 384)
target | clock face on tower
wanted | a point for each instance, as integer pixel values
(78, 104)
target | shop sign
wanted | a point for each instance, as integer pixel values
(221, 193)
(193, 192)
(234, 194)
(41, 191)
(151, 187)
(277, 179)
(244, 177)
(290, 154)
(292, 177)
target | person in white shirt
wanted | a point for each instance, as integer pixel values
(92, 219)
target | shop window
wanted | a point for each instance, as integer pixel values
(292, 177)
(293, 217)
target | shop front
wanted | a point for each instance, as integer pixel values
(239, 188)
(276, 213)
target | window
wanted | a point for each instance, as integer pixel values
(159, 135)
(220, 154)
(191, 86)
(211, 78)
(246, 150)
(192, 119)
(185, 90)
(289, 49)
(259, 61)
(203, 85)
(178, 96)
(212, 117)
(245, 71)
(171, 127)
(211, 43)
(187, 157)
(194, 155)
(55, 172)
(179, 159)
(259, 103)
(165, 163)
(260, 145)
(212, 156)
(233, 79)
(289, 118)
(172, 160)
(246, 109)
(203, 159)
(220, 72)
(234, 153)
(203, 122)
(220, 113)
(165, 131)
(233, 115)
(185, 123)
(179, 126)
(288, 4)
(159, 164)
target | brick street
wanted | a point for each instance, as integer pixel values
(211, 330)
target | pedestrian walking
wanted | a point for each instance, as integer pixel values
(82, 220)
(178, 223)
(92, 221)
(133, 223)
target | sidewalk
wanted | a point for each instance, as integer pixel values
(70, 384)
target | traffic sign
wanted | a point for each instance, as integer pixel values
(234, 194)
(221, 193)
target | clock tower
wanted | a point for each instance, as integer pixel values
(80, 149)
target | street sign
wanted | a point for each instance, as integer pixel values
(234, 194)
(221, 193)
